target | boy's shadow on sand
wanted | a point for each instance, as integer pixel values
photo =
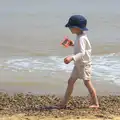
(49, 108)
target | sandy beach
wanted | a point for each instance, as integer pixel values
(34, 107)
(23, 117)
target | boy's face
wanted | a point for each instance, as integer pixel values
(75, 30)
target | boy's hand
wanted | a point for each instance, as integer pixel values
(68, 59)
(71, 43)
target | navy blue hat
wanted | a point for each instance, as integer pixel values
(77, 21)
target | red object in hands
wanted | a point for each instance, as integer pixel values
(66, 42)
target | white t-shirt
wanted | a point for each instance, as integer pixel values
(82, 50)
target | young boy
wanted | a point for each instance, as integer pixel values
(82, 59)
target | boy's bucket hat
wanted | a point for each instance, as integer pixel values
(77, 21)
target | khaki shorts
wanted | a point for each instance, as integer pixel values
(81, 72)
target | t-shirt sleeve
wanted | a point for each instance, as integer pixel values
(81, 45)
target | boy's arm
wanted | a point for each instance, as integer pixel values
(79, 55)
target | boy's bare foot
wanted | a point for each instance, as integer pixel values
(94, 106)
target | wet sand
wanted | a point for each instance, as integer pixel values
(34, 107)
(11, 82)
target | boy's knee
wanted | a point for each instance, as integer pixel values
(71, 81)
(86, 82)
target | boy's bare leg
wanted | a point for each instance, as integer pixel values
(68, 92)
(92, 92)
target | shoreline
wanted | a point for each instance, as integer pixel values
(103, 88)
(32, 107)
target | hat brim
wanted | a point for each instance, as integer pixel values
(70, 26)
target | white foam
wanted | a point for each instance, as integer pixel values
(105, 67)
